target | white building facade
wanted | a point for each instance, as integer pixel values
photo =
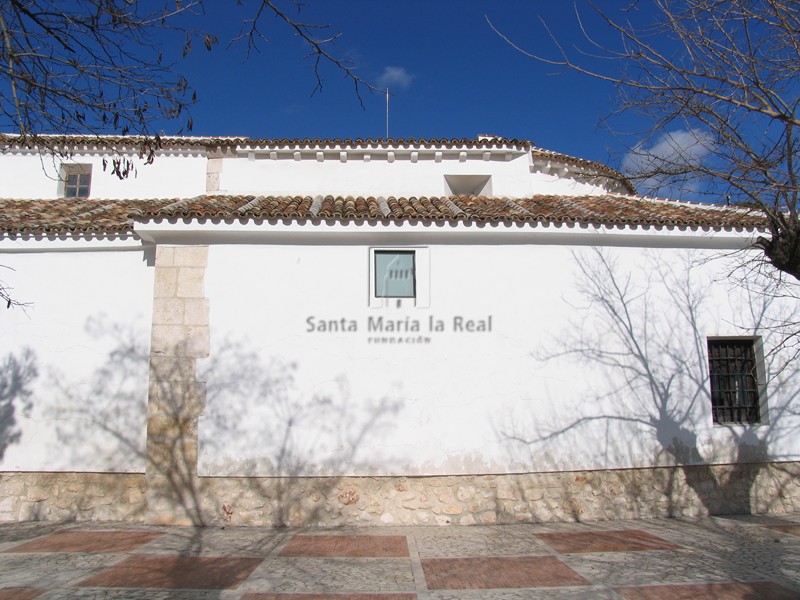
(327, 332)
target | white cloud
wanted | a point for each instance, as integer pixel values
(395, 78)
(665, 167)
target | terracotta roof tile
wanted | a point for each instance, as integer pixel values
(67, 216)
(106, 141)
(383, 142)
(200, 141)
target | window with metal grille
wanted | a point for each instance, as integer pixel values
(734, 382)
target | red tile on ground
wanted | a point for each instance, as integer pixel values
(20, 593)
(791, 529)
(253, 596)
(498, 572)
(347, 545)
(88, 541)
(191, 572)
(605, 541)
(762, 590)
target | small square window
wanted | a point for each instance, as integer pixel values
(399, 277)
(734, 381)
(395, 274)
(77, 181)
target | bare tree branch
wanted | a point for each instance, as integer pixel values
(89, 68)
(7, 298)
(97, 67)
(725, 73)
(317, 46)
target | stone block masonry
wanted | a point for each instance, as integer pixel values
(180, 336)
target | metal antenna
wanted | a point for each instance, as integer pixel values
(387, 113)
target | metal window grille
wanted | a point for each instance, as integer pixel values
(734, 385)
(77, 185)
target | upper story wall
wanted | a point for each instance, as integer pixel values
(326, 168)
(497, 172)
(39, 176)
(195, 166)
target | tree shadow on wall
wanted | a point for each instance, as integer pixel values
(101, 415)
(17, 373)
(246, 399)
(276, 455)
(642, 348)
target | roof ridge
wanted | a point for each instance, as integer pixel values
(255, 201)
(516, 206)
(246, 140)
(178, 204)
(454, 208)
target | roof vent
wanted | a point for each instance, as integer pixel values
(468, 185)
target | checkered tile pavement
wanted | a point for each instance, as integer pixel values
(734, 558)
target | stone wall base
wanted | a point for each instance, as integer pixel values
(72, 496)
(462, 500)
(519, 498)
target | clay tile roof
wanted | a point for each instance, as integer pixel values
(102, 217)
(10, 139)
(485, 142)
(67, 216)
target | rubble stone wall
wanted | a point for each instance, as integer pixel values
(456, 500)
(72, 497)
(519, 498)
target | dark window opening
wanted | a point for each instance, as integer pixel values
(734, 381)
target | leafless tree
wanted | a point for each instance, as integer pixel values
(726, 73)
(92, 67)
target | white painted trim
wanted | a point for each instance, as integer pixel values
(402, 233)
(21, 244)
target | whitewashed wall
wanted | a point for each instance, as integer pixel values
(567, 185)
(184, 175)
(82, 348)
(285, 397)
(375, 175)
(364, 174)
(29, 175)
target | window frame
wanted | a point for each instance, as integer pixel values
(395, 253)
(79, 171)
(421, 298)
(748, 380)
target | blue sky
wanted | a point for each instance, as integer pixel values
(450, 75)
